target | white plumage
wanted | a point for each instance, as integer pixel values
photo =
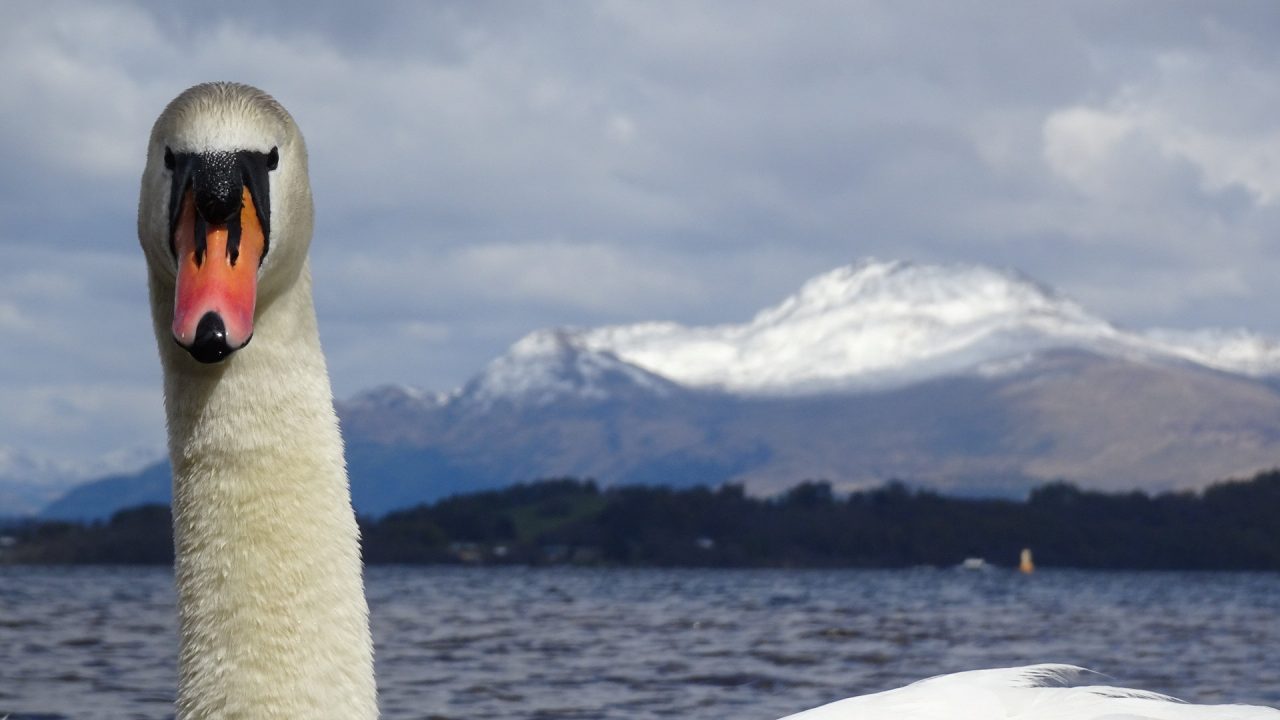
(1034, 692)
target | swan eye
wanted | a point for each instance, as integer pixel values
(169, 162)
(273, 159)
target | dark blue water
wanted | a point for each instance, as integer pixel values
(576, 643)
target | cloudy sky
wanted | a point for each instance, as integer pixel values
(482, 170)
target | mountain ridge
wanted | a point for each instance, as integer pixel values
(959, 378)
(875, 326)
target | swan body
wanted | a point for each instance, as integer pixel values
(1034, 692)
(273, 621)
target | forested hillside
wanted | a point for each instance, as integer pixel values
(1231, 525)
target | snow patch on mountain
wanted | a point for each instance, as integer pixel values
(864, 327)
(396, 396)
(1232, 350)
(868, 326)
(549, 365)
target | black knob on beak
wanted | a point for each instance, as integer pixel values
(210, 344)
(216, 207)
(218, 187)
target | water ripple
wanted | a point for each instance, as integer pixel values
(454, 643)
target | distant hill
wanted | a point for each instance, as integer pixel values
(29, 480)
(959, 378)
(383, 479)
(101, 498)
(1098, 421)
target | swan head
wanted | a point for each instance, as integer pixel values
(224, 215)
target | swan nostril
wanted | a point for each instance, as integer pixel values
(210, 343)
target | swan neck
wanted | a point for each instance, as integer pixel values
(272, 613)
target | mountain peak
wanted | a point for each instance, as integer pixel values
(395, 396)
(550, 365)
(868, 326)
(943, 293)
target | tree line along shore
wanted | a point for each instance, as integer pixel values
(1232, 525)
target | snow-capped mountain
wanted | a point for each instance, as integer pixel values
(549, 365)
(394, 397)
(961, 378)
(872, 326)
(1234, 350)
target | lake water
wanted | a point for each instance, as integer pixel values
(636, 644)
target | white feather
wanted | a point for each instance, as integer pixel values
(1035, 692)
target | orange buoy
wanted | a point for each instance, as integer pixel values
(1025, 564)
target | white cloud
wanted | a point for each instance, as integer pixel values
(99, 417)
(1209, 111)
(1087, 146)
(73, 100)
(1080, 142)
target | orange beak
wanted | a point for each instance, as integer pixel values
(217, 279)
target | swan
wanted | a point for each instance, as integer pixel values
(273, 621)
(272, 616)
